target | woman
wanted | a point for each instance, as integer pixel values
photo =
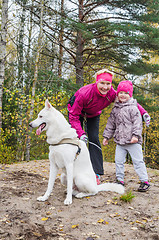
(86, 106)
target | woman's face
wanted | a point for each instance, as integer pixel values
(103, 87)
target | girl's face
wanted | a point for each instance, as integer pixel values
(103, 87)
(123, 96)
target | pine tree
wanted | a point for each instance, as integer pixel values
(116, 34)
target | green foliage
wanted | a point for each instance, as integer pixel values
(127, 197)
(7, 153)
(151, 140)
(123, 42)
(16, 118)
(39, 148)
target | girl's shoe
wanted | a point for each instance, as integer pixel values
(144, 186)
(120, 182)
(98, 179)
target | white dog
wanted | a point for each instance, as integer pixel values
(78, 170)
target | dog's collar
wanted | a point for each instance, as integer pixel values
(73, 141)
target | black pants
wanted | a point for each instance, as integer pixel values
(92, 130)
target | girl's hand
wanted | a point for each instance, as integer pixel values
(147, 119)
(134, 140)
(105, 141)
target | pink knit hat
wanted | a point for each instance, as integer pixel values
(104, 77)
(125, 86)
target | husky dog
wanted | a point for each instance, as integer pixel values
(70, 154)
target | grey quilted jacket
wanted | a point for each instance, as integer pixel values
(124, 122)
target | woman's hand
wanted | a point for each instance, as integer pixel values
(84, 138)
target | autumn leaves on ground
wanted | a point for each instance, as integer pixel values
(104, 216)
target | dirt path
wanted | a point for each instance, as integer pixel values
(103, 217)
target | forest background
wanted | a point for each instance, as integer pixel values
(50, 48)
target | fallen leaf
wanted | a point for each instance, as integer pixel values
(75, 226)
(145, 221)
(114, 215)
(109, 202)
(137, 221)
(44, 218)
(37, 234)
(100, 221)
(48, 213)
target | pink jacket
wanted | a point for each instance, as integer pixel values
(90, 103)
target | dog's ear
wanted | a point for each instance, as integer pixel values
(47, 104)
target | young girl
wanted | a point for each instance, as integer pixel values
(125, 125)
(86, 106)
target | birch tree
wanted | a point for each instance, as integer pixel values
(39, 48)
(61, 42)
(3, 34)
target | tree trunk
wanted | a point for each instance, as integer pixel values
(20, 84)
(3, 34)
(27, 84)
(20, 48)
(61, 42)
(39, 47)
(79, 51)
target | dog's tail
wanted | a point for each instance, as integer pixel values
(113, 187)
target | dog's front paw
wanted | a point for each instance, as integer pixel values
(68, 201)
(42, 198)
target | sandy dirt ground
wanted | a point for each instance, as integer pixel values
(103, 217)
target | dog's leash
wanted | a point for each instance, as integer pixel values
(144, 150)
(95, 145)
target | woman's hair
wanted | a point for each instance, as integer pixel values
(103, 71)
